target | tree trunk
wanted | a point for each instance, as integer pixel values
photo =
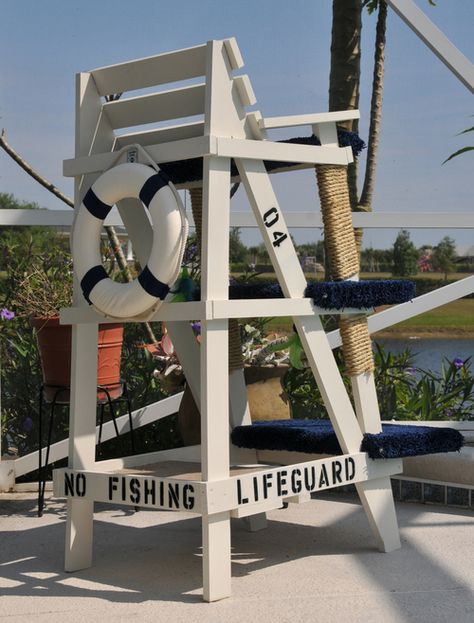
(365, 203)
(344, 78)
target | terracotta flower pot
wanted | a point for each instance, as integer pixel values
(54, 341)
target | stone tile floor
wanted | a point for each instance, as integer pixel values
(315, 562)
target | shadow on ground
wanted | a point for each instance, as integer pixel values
(156, 555)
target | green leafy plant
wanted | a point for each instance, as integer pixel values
(262, 349)
(440, 396)
(463, 150)
(29, 254)
(45, 287)
(39, 282)
(404, 391)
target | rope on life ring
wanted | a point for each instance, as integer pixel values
(170, 229)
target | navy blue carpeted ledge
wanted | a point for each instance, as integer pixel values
(318, 437)
(361, 294)
(183, 171)
(336, 294)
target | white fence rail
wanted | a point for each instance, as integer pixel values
(296, 220)
(378, 321)
(140, 417)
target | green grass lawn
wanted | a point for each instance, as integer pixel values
(437, 276)
(455, 317)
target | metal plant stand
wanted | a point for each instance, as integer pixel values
(106, 396)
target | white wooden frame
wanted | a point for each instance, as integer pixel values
(436, 40)
(227, 132)
(94, 135)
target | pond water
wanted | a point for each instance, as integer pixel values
(430, 353)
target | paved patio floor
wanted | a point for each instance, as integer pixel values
(315, 562)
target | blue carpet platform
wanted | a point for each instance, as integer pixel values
(183, 171)
(338, 295)
(318, 437)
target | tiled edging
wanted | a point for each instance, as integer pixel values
(411, 489)
(408, 489)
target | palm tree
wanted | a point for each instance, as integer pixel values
(344, 77)
(344, 83)
(365, 202)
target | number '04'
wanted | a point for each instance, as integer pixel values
(270, 218)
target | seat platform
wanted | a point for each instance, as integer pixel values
(340, 295)
(318, 437)
(190, 171)
(363, 294)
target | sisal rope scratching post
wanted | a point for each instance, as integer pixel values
(343, 260)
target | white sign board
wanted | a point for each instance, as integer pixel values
(268, 487)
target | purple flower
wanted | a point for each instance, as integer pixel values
(6, 314)
(196, 326)
(458, 363)
(27, 425)
(449, 413)
(190, 254)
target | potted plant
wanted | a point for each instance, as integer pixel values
(265, 364)
(267, 358)
(41, 291)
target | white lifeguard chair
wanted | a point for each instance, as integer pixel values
(227, 481)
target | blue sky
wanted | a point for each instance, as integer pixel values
(286, 52)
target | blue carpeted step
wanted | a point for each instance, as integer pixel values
(332, 294)
(318, 437)
(183, 171)
(362, 294)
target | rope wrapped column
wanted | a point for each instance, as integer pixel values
(343, 261)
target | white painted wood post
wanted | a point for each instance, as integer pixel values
(377, 499)
(215, 373)
(374, 495)
(83, 406)
(315, 342)
(238, 403)
(292, 280)
(92, 133)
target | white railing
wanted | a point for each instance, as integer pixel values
(377, 321)
(294, 220)
(140, 417)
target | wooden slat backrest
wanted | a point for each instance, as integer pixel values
(161, 135)
(184, 102)
(152, 71)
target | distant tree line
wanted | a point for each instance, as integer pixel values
(403, 259)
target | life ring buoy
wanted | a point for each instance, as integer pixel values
(170, 229)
